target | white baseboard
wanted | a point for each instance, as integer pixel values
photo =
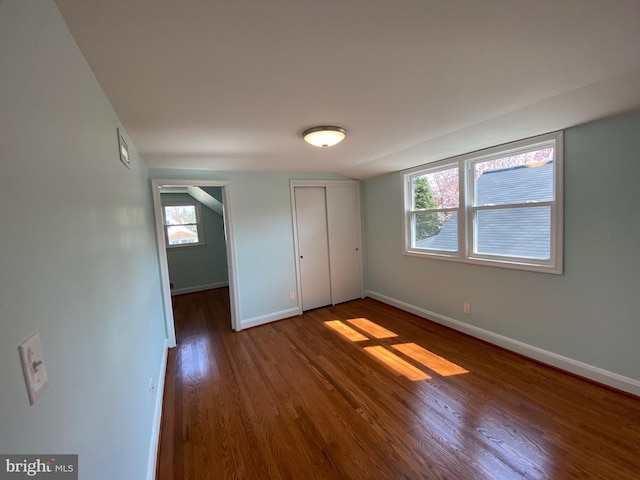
(582, 369)
(198, 288)
(271, 317)
(157, 416)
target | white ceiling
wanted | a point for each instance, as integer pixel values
(231, 85)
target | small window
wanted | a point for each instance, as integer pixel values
(182, 225)
(500, 207)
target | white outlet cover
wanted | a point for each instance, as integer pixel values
(33, 367)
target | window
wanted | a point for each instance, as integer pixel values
(500, 207)
(436, 201)
(182, 225)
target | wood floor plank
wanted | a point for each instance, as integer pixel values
(303, 398)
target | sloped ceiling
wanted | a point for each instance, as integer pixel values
(231, 85)
(198, 194)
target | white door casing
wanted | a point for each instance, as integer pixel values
(156, 185)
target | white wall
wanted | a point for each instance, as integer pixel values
(587, 315)
(77, 257)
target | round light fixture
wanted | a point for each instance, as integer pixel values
(324, 137)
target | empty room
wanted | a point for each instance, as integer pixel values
(332, 240)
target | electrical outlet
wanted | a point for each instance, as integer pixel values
(292, 295)
(152, 389)
(33, 367)
(467, 309)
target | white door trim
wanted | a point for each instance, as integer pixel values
(162, 250)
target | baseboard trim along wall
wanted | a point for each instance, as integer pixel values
(271, 317)
(157, 416)
(198, 288)
(576, 367)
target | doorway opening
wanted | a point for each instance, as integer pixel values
(186, 201)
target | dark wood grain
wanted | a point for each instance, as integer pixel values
(297, 399)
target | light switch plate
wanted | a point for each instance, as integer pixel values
(33, 367)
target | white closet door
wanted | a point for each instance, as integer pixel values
(313, 247)
(343, 218)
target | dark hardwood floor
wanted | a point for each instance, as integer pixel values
(328, 396)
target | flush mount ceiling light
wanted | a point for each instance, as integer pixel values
(324, 137)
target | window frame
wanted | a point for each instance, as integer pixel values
(467, 210)
(199, 225)
(440, 167)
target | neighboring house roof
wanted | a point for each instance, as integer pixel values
(181, 232)
(511, 232)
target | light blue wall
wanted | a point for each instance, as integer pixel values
(78, 259)
(590, 313)
(201, 265)
(261, 212)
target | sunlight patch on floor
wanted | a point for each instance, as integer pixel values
(394, 362)
(372, 328)
(346, 331)
(430, 360)
(368, 331)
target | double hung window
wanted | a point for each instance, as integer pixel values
(182, 224)
(500, 206)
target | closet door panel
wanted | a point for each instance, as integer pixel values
(313, 247)
(345, 255)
